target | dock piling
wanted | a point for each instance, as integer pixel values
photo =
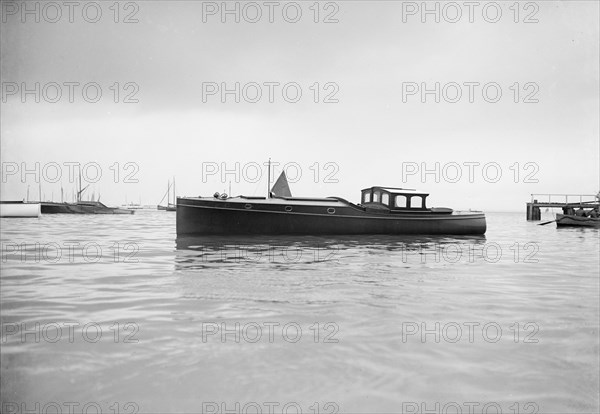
(533, 211)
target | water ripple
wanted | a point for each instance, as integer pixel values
(163, 304)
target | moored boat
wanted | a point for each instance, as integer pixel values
(170, 206)
(567, 220)
(82, 207)
(383, 210)
(19, 209)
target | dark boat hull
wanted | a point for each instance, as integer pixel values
(81, 208)
(205, 216)
(61, 208)
(563, 220)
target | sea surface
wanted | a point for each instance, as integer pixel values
(115, 314)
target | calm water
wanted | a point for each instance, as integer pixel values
(505, 322)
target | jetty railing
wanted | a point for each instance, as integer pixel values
(558, 201)
(563, 198)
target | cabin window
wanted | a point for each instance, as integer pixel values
(288, 208)
(366, 196)
(376, 197)
(416, 202)
(331, 210)
(248, 206)
(385, 198)
(400, 201)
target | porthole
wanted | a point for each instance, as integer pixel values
(331, 210)
(248, 206)
(288, 208)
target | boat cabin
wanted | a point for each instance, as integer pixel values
(390, 198)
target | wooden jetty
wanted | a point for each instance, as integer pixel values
(558, 201)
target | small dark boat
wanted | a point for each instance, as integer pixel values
(564, 220)
(383, 210)
(170, 207)
(82, 207)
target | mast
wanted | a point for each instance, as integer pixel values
(269, 180)
(79, 193)
(167, 194)
(174, 196)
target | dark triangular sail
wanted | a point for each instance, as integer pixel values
(281, 187)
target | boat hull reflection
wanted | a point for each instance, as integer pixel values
(196, 252)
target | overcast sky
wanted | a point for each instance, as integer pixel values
(370, 134)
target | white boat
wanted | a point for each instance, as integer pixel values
(20, 209)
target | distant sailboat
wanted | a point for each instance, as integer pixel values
(170, 206)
